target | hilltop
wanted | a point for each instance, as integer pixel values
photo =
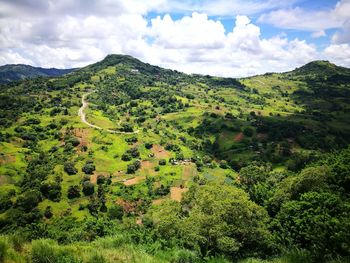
(125, 161)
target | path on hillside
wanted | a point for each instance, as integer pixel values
(82, 115)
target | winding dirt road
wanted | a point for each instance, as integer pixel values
(82, 115)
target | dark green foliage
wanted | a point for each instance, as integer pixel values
(89, 167)
(51, 190)
(162, 162)
(69, 168)
(148, 145)
(3, 250)
(248, 131)
(318, 222)
(132, 168)
(115, 212)
(29, 200)
(48, 212)
(88, 188)
(73, 191)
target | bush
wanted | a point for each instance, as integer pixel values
(89, 167)
(126, 157)
(69, 168)
(73, 192)
(115, 212)
(162, 162)
(148, 145)
(48, 212)
(3, 249)
(248, 131)
(88, 188)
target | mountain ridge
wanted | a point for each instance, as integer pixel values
(10, 72)
(13, 72)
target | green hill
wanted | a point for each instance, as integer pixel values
(10, 73)
(122, 161)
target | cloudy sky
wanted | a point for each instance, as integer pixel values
(222, 37)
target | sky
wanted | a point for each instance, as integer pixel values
(232, 38)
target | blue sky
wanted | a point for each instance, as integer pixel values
(223, 37)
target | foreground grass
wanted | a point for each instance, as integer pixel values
(13, 249)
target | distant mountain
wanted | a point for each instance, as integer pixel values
(321, 70)
(13, 72)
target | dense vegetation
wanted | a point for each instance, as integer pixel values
(10, 73)
(179, 168)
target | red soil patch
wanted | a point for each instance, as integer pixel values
(147, 167)
(134, 180)
(93, 178)
(83, 135)
(177, 192)
(128, 206)
(159, 151)
(7, 158)
(239, 137)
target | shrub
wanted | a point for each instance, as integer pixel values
(89, 167)
(162, 162)
(126, 157)
(69, 168)
(48, 212)
(88, 188)
(73, 191)
(248, 131)
(148, 145)
(3, 249)
(115, 212)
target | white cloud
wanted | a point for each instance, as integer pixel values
(343, 35)
(309, 20)
(338, 54)
(194, 43)
(318, 34)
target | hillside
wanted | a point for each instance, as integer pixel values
(10, 73)
(122, 161)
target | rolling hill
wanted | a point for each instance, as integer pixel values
(122, 161)
(13, 72)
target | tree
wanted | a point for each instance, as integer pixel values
(115, 212)
(318, 222)
(88, 188)
(214, 219)
(89, 167)
(248, 131)
(28, 200)
(69, 168)
(148, 145)
(162, 162)
(73, 192)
